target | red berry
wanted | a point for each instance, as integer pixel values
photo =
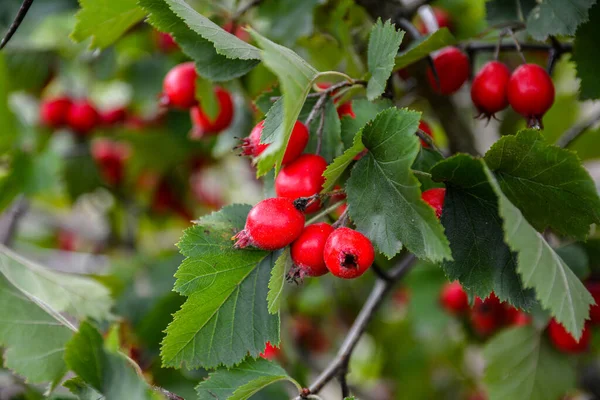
(110, 157)
(487, 315)
(594, 289)
(515, 317)
(424, 126)
(435, 198)
(82, 117)
(564, 341)
(348, 253)
(270, 351)
(166, 199)
(251, 145)
(271, 224)
(203, 125)
(179, 86)
(489, 88)
(452, 66)
(302, 178)
(308, 335)
(67, 240)
(454, 299)
(238, 31)
(113, 116)
(442, 17)
(53, 112)
(530, 92)
(346, 109)
(307, 250)
(165, 42)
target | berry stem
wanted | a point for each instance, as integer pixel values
(575, 131)
(17, 22)
(342, 220)
(326, 211)
(429, 140)
(517, 45)
(320, 132)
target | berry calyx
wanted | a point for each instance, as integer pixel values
(179, 86)
(531, 92)
(82, 117)
(454, 299)
(271, 224)
(346, 109)
(113, 116)
(564, 341)
(203, 125)
(489, 88)
(53, 112)
(594, 289)
(452, 66)
(302, 178)
(348, 253)
(110, 157)
(441, 16)
(251, 145)
(270, 352)
(435, 198)
(307, 250)
(424, 126)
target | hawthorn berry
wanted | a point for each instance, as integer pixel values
(489, 88)
(424, 126)
(110, 157)
(302, 178)
(82, 117)
(53, 112)
(594, 289)
(236, 30)
(442, 17)
(346, 109)
(165, 42)
(348, 253)
(515, 317)
(435, 198)
(487, 316)
(113, 116)
(270, 351)
(564, 341)
(204, 125)
(271, 224)
(452, 66)
(308, 335)
(307, 250)
(530, 92)
(179, 86)
(251, 145)
(454, 299)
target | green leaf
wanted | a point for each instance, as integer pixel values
(548, 184)
(7, 121)
(84, 355)
(287, 20)
(81, 175)
(34, 339)
(219, 56)
(425, 161)
(482, 261)
(295, 76)
(74, 294)
(241, 382)
(276, 283)
(384, 199)
(364, 111)
(105, 21)
(437, 40)
(205, 94)
(502, 11)
(121, 381)
(556, 286)
(575, 256)
(82, 390)
(227, 290)
(331, 144)
(384, 43)
(334, 171)
(586, 57)
(522, 365)
(557, 17)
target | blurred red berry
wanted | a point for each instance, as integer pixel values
(302, 178)
(346, 109)
(113, 116)
(203, 125)
(454, 299)
(179, 86)
(424, 126)
(564, 341)
(53, 112)
(165, 42)
(442, 17)
(82, 117)
(270, 351)
(435, 198)
(452, 66)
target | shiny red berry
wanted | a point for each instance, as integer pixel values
(442, 17)
(424, 126)
(594, 289)
(82, 117)
(531, 92)
(487, 316)
(251, 145)
(113, 116)
(348, 253)
(203, 125)
(454, 299)
(307, 250)
(302, 178)
(110, 157)
(435, 198)
(271, 224)
(452, 66)
(489, 88)
(564, 341)
(53, 112)
(346, 109)
(270, 351)
(179, 86)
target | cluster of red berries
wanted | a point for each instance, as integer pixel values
(179, 91)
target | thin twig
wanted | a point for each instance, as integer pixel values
(10, 220)
(326, 211)
(168, 394)
(517, 44)
(342, 220)
(510, 46)
(429, 140)
(381, 274)
(374, 301)
(554, 54)
(244, 9)
(343, 380)
(16, 23)
(572, 134)
(320, 133)
(416, 35)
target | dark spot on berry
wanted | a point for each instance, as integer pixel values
(349, 261)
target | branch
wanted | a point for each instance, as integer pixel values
(10, 219)
(244, 9)
(382, 287)
(572, 134)
(17, 22)
(165, 392)
(429, 140)
(475, 47)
